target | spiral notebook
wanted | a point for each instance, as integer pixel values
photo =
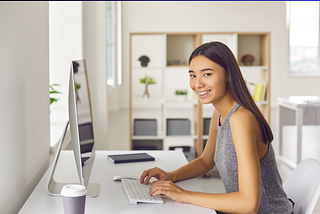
(127, 158)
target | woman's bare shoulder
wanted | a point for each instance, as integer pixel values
(244, 118)
(243, 114)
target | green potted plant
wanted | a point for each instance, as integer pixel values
(181, 95)
(147, 81)
(53, 91)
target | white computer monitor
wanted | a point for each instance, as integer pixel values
(81, 129)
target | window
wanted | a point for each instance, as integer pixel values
(304, 37)
(114, 41)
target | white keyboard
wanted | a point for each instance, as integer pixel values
(138, 192)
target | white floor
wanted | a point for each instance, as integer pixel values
(118, 131)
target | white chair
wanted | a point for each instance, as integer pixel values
(303, 186)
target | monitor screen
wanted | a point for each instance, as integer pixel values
(81, 128)
(80, 117)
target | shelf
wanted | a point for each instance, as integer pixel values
(194, 102)
(147, 101)
(161, 137)
(205, 137)
(147, 137)
(193, 136)
(172, 66)
(147, 67)
(262, 103)
(253, 67)
(139, 104)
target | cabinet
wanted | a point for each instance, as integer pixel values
(168, 66)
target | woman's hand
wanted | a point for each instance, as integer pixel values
(156, 173)
(169, 189)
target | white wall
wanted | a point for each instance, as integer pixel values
(65, 45)
(95, 52)
(24, 95)
(78, 31)
(65, 29)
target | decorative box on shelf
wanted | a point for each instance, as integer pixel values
(178, 126)
(145, 127)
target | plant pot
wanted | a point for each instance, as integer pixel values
(181, 98)
(146, 93)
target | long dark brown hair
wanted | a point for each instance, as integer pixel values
(220, 53)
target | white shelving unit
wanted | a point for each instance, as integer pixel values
(169, 53)
(162, 104)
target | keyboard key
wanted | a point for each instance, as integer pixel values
(137, 192)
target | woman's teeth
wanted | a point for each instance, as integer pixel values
(203, 93)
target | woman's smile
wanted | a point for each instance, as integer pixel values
(203, 94)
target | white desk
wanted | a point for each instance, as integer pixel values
(112, 198)
(297, 104)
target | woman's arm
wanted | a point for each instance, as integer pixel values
(197, 167)
(194, 168)
(204, 163)
(245, 133)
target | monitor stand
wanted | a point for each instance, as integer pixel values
(54, 188)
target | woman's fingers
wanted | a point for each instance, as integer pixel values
(167, 188)
(148, 174)
(158, 188)
(144, 175)
(163, 187)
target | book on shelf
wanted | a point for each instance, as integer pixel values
(259, 92)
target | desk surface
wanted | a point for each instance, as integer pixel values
(112, 198)
(300, 101)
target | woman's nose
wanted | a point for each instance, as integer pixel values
(199, 83)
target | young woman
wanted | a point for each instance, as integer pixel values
(239, 143)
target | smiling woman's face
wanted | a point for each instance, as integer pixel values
(207, 79)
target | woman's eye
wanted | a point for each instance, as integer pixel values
(192, 76)
(207, 74)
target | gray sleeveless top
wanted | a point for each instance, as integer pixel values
(273, 198)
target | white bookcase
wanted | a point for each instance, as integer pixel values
(169, 54)
(162, 103)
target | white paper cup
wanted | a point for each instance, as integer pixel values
(74, 198)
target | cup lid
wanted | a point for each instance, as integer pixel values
(73, 190)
